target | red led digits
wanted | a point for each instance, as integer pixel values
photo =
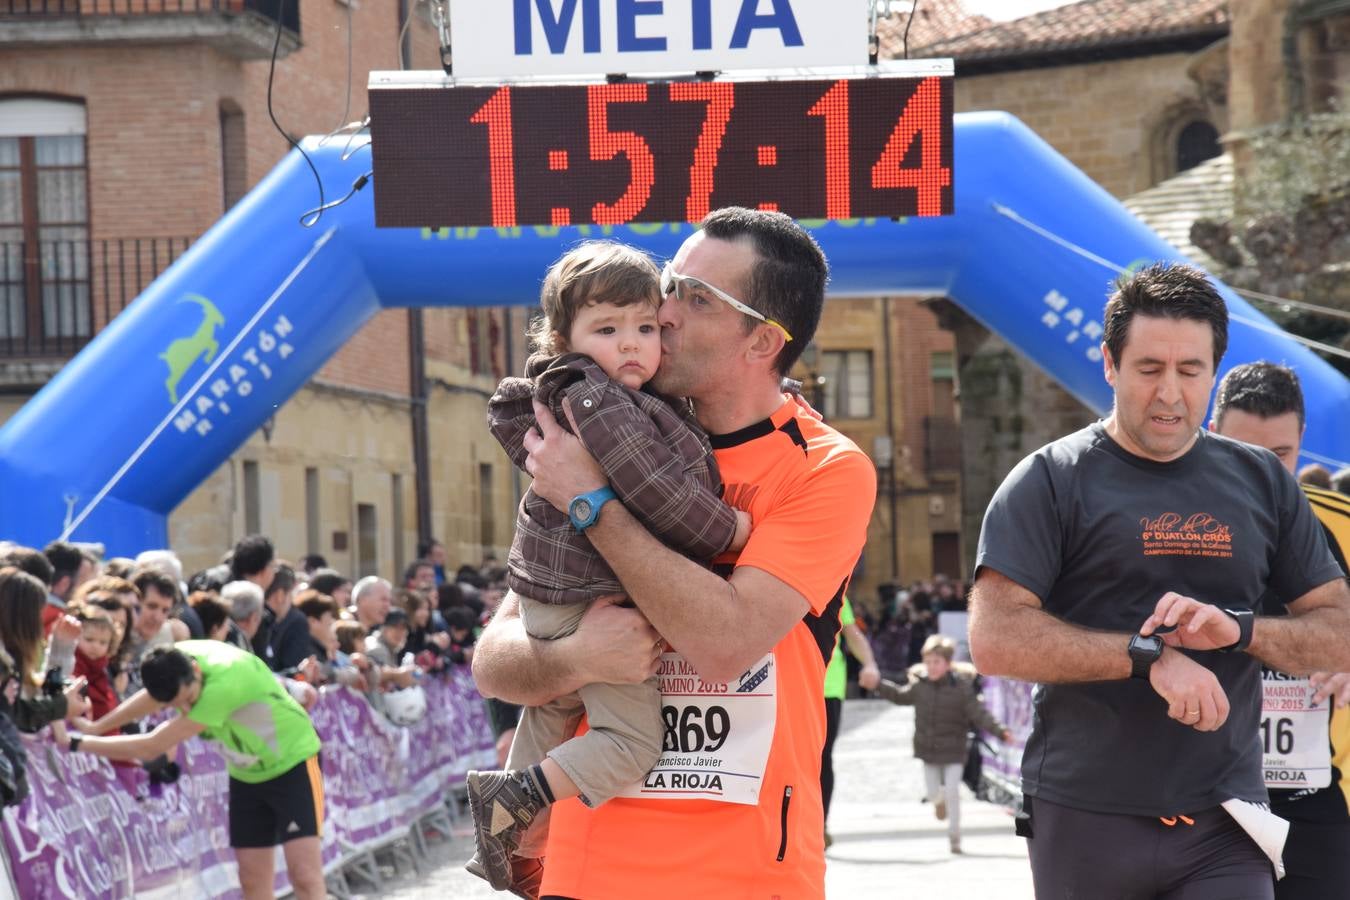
(922, 118)
(553, 154)
(721, 98)
(606, 144)
(833, 108)
(496, 115)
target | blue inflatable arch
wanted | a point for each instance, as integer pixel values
(195, 365)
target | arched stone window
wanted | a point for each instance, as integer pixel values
(1181, 137)
(1196, 142)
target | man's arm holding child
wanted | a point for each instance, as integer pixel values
(612, 645)
(720, 626)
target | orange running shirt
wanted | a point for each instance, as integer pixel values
(809, 491)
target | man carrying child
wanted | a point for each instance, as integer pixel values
(598, 344)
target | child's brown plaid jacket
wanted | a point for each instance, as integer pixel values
(657, 459)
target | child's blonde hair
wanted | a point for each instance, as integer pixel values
(592, 272)
(940, 645)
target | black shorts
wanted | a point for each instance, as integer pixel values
(1077, 853)
(273, 812)
(1316, 861)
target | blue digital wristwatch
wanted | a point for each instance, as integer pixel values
(584, 509)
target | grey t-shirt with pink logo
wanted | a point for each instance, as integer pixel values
(1099, 535)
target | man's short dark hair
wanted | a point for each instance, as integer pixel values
(165, 671)
(325, 581)
(312, 562)
(1164, 290)
(34, 562)
(65, 558)
(467, 574)
(315, 604)
(162, 583)
(282, 580)
(787, 281)
(460, 617)
(411, 572)
(425, 547)
(1261, 388)
(210, 609)
(212, 579)
(251, 556)
(1315, 475)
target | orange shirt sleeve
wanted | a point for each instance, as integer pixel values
(811, 540)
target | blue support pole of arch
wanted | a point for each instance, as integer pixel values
(241, 321)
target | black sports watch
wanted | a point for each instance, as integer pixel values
(74, 745)
(1144, 652)
(1245, 619)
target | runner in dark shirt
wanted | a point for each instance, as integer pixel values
(1137, 524)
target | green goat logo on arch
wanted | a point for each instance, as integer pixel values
(201, 344)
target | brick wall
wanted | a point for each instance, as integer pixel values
(154, 142)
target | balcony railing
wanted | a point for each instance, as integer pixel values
(243, 28)
(56, 295)
(942, 446)
(289, 10)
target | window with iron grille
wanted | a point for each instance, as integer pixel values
(44, 221)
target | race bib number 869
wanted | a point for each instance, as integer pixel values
(718, 734)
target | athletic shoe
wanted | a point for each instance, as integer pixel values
(527, 874)
(502, 809)
(940, 809)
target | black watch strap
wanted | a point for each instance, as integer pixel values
(1246, 620)
(75, 742)
(1144, 652)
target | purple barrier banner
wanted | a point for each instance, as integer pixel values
(1010, 702)
(93, 830)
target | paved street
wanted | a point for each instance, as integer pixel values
(885, 840)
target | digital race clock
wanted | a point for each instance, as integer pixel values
(858, 143)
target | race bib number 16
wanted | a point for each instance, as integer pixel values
(1294, 734)
(717, 737)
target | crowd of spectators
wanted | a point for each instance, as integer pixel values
(74, 627)
(904, 618)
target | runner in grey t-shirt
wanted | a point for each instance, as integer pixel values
(1134, 524)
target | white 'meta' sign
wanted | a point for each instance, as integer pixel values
(505, 38)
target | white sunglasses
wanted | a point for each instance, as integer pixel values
(681, 285)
